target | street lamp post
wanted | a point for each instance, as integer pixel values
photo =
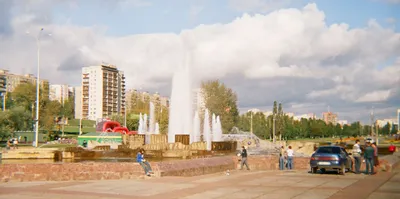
(273, 128)
(37, 88)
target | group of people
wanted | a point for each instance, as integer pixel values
(370, 157)
(12, 143)
(286, 158)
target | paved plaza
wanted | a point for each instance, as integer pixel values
(240, 184)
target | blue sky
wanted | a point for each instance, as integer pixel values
(175, 15)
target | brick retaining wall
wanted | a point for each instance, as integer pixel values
(114, 170)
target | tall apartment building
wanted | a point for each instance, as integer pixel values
(329, 117)
(103, 92)
(59, 92)
(78, 102)
(3, 83)
(13, 80)
(398, 120)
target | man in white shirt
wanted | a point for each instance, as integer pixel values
(357, 156)
(290, 153)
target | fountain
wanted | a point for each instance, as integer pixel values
(180, 115)
(145, 128)
(207, 130)
(217, 134)
(140, 127)
(196, 128)
(152, 118)
(213, 125)
(157, 129)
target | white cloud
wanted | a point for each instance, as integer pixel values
(375, 96)
(292, 53)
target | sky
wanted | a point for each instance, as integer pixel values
(308, 55)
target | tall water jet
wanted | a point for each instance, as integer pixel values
(217, 135)
(157, 128)
(140, 127)
(213, 124)
(152, 118)
(180, 115)
(195, 135)
(207, 130)
(145, 128)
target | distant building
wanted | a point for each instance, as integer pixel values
(3, 83)
(254, 110)
(59, 93)
(329, 117)
(304, 116)
(268, 113)
(103, 92)
(78, 102)
(398, 120)
(343, 122)
(289, 114)
(13, 80)
(133, 96)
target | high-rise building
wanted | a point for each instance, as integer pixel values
(329, 117)
(3, 83)
(103, 92)
(13, 80)
(398, 119)
(59, 92)
(78, 102)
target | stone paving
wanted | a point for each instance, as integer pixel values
(240, 184)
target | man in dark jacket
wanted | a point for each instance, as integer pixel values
(244, 158)
(369, 159)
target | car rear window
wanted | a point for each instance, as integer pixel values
(333, 150)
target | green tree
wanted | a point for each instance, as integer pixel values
(68, 108)
(163, 120)
(386, 129)
(280, 123)
(50, 111)
(221, 101)
(5, 126)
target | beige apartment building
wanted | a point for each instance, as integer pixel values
(329, 117)
(102, 93)
(13, 80)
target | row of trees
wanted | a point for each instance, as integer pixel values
(20, 110)
(288, 128)
(218, 98)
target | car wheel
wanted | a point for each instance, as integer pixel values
(313, 170)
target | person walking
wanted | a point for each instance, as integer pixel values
(290, 154)
(369, 159)
(244, 158)
(376, 160)
(357, 156)
(282, 157)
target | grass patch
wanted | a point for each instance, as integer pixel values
(75, 122)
